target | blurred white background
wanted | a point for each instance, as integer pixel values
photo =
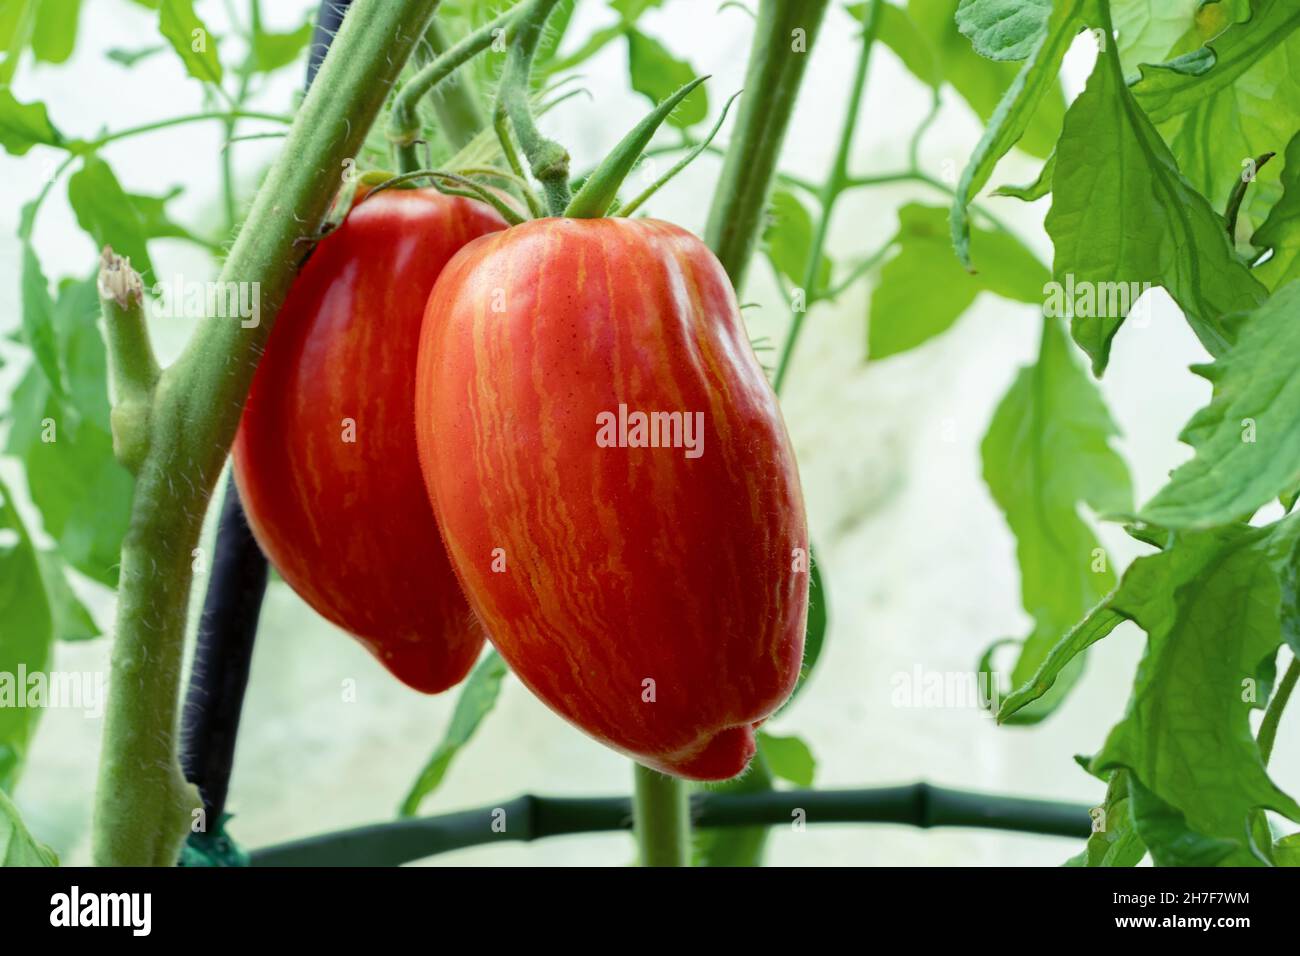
(918, 563)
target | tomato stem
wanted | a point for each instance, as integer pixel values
(834, 186)
(142, 803)
(404, 121)
(130, 356)
(661, 818)
(455, 101)
(548, 160)
(784, 34)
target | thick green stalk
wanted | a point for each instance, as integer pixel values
(783, 42)
(548, 160)
(404, 121)
(835, 183)
(141, 804)
(662, 819)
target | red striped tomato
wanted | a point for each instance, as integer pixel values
(325, 454)
(645, 577)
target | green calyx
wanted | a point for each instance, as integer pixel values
(600, 190)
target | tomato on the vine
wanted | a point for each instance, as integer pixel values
(325, 455)
(615, 484)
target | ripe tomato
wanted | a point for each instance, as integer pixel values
(325, 454)
(656, 597)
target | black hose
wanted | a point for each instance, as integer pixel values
(530, 818)
(228, 627)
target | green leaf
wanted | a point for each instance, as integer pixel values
(15, 32)
(1059, 659)
(1281, 230)
(1053, 32)
(980, 81)
(55, 32)
(1247, 439)
(17, 846)
(25, 641)
(129, 58)
(788, 758)
(1286, 851)
(1173, 842)
(1114, 841)
(818, 618)
(898, 32)
(272, 51)
(631, 10)
(82, 492)
(923, 289)
(1049, 450)
(657, 74)
(590, 47)
(10, 16)
(155, 223)
(24, 125)
(191, 39)
(81, 349)
(1039, 188)
(1004, 29)
(478, 695)
(72, 622)
(1123, 216)
(38, 311)
(1150, 30)
(557, 25)
(1212, 604)
(1169, 89)
(1244, 102)
(788, 238)
(104, 211)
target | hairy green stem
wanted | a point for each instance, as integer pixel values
(662, 819)
(455, 101)
(182, 120)
(783, 38)
(141, 803)
(831, 190)
(132, 367)
(548, 160)
(404, 120)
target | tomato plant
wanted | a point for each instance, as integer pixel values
(1121, 174)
